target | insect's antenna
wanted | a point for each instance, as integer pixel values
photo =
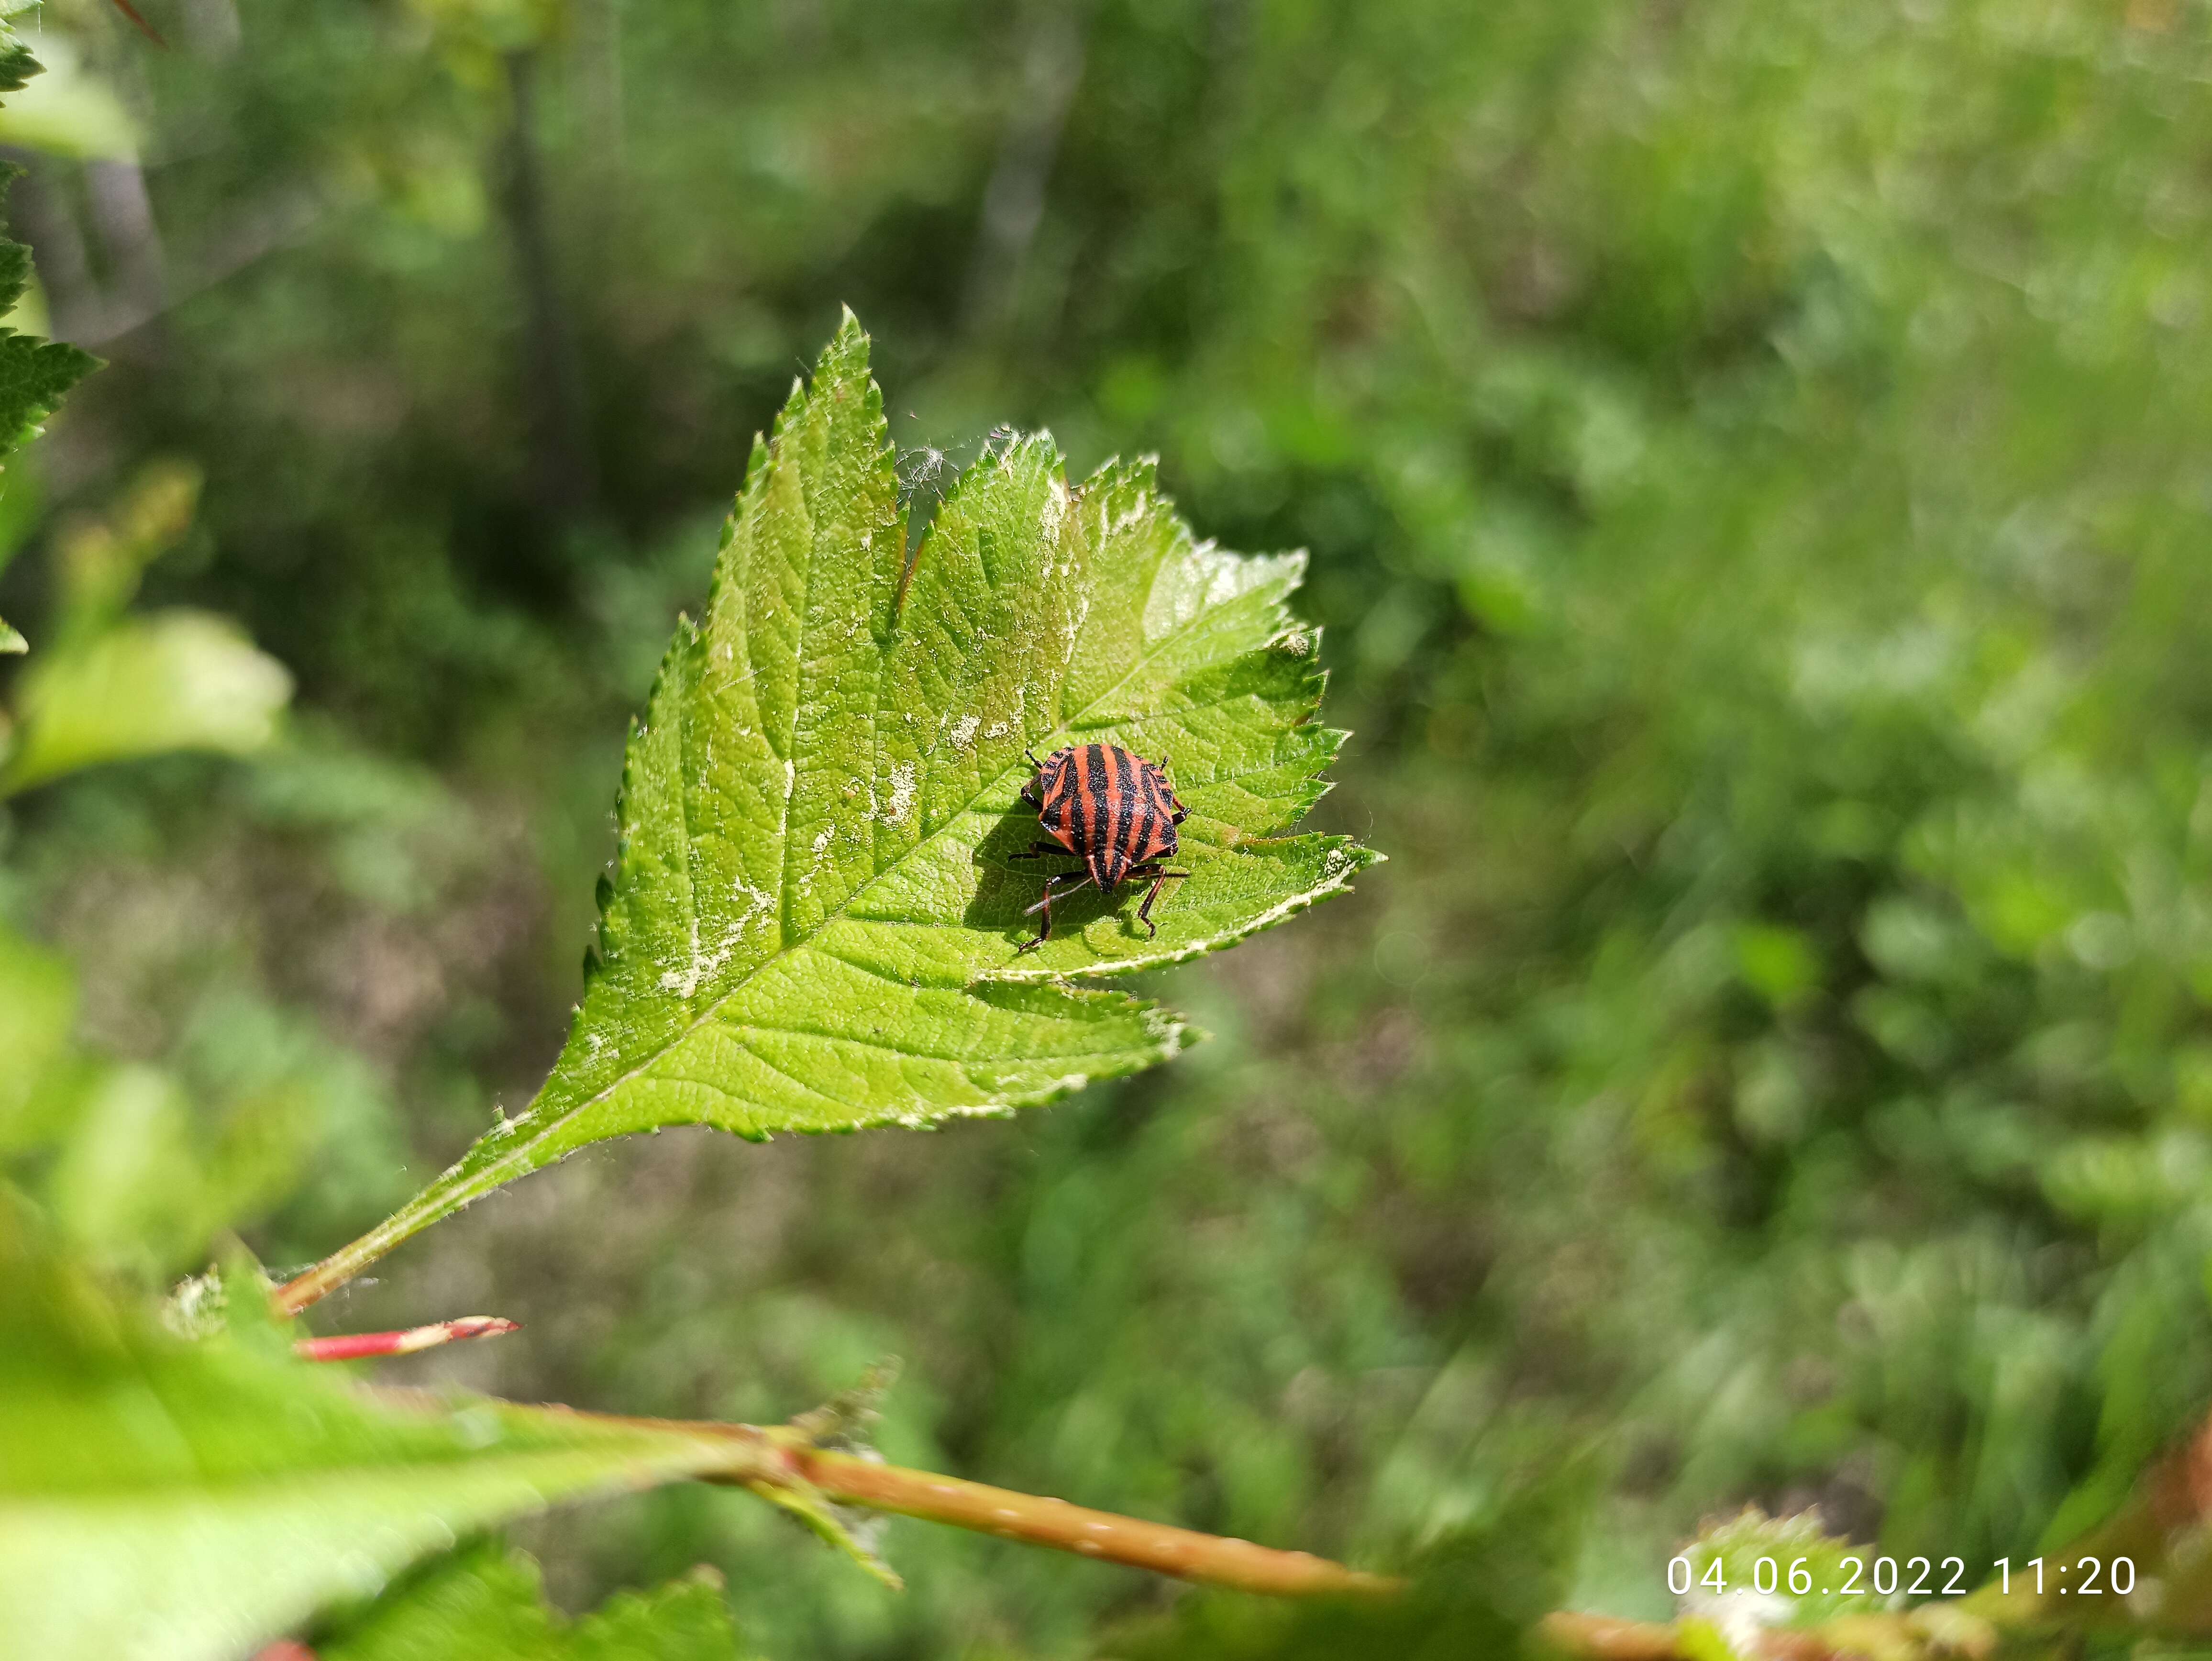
(1033, 761)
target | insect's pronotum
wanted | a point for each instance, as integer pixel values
(1113, 810)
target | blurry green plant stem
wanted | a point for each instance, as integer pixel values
(782, 1462)
(303, 1291)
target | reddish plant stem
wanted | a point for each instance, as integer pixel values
(141, 24)
(359, 1345)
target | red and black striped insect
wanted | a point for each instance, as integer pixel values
(1113, 810)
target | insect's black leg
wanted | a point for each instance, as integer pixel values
(1044, 929)
(1144, 911)
(1045, 904)
(1039, 850)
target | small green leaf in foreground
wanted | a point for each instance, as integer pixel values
(813, 921)
(190, 1501)
(488, 1605)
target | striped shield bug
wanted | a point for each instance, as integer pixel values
(1113, 810)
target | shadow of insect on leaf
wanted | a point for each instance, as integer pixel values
(1008, 885)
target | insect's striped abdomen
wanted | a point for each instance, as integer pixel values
(1111, 808)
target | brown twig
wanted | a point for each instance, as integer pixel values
(782, 1457)
(1062, 1527)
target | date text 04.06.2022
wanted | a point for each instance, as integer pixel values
(1911, 1576)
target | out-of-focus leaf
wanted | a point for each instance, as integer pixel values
(128, 1184)
(814, 925)
(190, 1500)
(141, 1181)
(103, 559)
(174, 680)
(37, 1002)
(489, 1605)
(1732, 1559)
(68, 110)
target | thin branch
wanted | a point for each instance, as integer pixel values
(1055, 1523)
(312, 1286)
(142, 25)
(360, 1346)
(784, 1459)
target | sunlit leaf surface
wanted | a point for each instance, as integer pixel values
(814, 921)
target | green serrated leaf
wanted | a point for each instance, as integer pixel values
(489, 1605)
(194, 1499)
(34, 374)
(814, 920)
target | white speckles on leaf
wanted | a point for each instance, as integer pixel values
(903, 779)
(703, 966)
(963, 731)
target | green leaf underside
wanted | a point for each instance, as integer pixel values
(488, 1605)
(813, 923)
(161, 1498)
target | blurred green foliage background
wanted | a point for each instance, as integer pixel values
(1757, 457)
